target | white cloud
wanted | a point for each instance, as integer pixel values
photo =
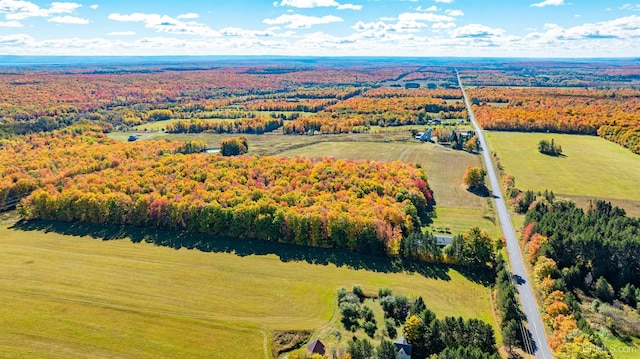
(190, 15)
(631, 7)
(11, 23)
(308, 4)
(121, 33)
(415, 16)
(349, 7)
(444, 1)
(94, 6)
(476, 31)
(164, 23)
(454, 12)
(621, 28)
(444, 25)
(430, 8)
(549, 3)
(296, 21)
(74, 20)
(386, 18)
(20, 9)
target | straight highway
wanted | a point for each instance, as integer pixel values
(540, 344)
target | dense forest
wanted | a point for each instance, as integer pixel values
(576, 252)
(83, 176)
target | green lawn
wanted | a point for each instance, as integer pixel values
(590, 168)
(622, 350)
(70, 295)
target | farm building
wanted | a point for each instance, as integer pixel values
(424, 136)
(316, 347)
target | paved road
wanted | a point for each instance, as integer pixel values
(541, 346)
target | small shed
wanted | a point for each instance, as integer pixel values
(316, 347)
(404, 348)
(443, 240)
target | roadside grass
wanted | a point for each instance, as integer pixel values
(79, 290)
(590, 168)
(459, 220)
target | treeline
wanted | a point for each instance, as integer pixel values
(256, 125)
(627, 136)
(594, 252)
(313, 105)
(360, 205)
(602, 241)
(449, 336)
(611, 114)
(428, 335)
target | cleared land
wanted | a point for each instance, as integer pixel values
(590, 167)
(116, 298)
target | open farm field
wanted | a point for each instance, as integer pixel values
(102, 295)
(590, 167)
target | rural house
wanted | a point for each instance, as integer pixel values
(403, 348)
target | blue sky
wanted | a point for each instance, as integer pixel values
(502, 28)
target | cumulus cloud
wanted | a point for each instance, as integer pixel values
(94, 6)
(476, 31)
(308, 4)
(164, 23)
(349, 7)
(444, 1)
(454, 12)
(430, 8)
(416, 16)
(69, 20)
(622, 28)
(20, 9)
(190, 15)
(296, 21)
(443, 25)
(548, 3)
(631, 7)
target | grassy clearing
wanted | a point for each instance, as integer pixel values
(68, 295)
(459, 220)
(591, 168)
(622, 350)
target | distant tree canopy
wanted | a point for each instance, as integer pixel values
(549, 148)
(234, 146)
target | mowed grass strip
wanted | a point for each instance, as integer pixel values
(591, 166)
(75, 296)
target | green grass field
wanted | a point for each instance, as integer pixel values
(590, 168)
(71, 295)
